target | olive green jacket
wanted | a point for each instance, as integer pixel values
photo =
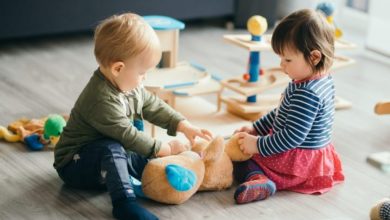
(103, 111)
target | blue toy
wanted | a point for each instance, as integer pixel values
(328, 9)
(256, 25)
(33, 142)
(158, 22)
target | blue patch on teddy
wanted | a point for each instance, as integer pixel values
(180, 178)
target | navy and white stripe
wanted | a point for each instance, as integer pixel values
(303, 119)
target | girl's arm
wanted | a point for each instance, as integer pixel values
(264, 124)
(304, 106)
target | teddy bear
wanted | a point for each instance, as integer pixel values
(208, 166)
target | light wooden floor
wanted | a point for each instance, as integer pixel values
(46, 76)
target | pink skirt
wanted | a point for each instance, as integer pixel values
(303, 170)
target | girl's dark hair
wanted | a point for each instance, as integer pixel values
(304, 31)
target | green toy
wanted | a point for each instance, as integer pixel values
(53, 128)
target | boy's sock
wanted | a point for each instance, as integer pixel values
(137, 187)
(126, 209)
(257, 187)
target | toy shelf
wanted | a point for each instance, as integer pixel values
(172, 78)
(238, 105)
(183, 74)
(271, 78)
(266, 102)
(244, 41)
(184, 79)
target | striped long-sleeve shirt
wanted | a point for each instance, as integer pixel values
(303, 119)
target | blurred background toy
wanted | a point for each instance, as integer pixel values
(381, 210)
(328, 9)
(381, 160)
(382, 108)
(35, 133)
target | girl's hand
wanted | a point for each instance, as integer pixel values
(248, 143)
(247, 129)
(191, 132)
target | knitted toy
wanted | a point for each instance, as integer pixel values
(35, 133)
(174, 179)
(53, 128)
(381, 211)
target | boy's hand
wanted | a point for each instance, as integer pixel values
(248, 143)
(177, 147)
(247, 129)
(165, 150)
(191, 132)
(171, 148)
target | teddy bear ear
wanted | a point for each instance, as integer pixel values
(214, 150)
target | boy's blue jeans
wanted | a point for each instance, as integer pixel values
(104, 164)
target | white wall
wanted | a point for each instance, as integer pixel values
(285, 7)
(378, 36)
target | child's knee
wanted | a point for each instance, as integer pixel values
(114, 147)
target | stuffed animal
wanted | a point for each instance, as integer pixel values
(53, 128)
(35, 133)
(174, 179)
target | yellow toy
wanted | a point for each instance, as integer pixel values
(174, 179)
(257, 25)
(8, 135)
(328, 9)
(18, 130)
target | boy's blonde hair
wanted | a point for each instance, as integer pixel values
(304, 31)
(124, 36)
